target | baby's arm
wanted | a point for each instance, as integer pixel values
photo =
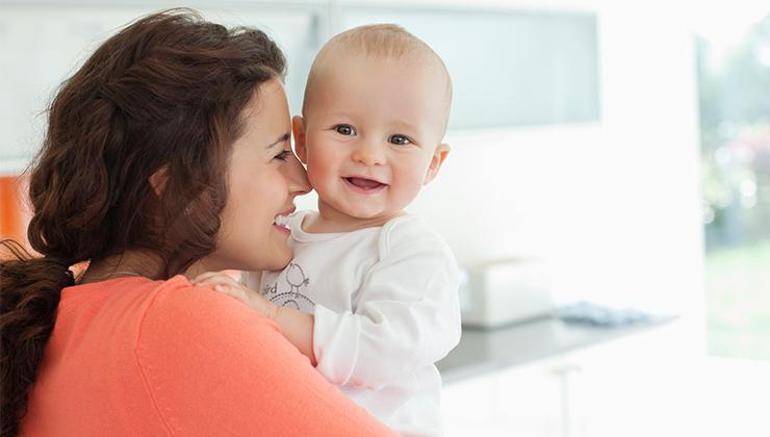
(406, 316)
(295, 325)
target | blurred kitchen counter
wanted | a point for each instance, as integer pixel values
(483, 351)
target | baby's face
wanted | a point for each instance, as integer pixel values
(373, 130)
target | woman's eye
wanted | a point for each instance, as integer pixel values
(399, 140)
(283, 156)
(345, 129)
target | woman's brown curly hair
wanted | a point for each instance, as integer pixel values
(165, 93)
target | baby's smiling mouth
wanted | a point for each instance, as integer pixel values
(364, 183)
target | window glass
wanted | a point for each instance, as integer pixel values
(508, 68)
(734, 81)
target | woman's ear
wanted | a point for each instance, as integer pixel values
(439, 155)
(298, 129)
(158, 180)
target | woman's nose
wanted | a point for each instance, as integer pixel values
(369, 154)
(297, 178)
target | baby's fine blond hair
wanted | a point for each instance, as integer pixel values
(386, 41)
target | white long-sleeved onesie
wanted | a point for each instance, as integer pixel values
(386, 308)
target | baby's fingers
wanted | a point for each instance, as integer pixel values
(225, 288)
(207, 275)
(214, 278)
(216, 284)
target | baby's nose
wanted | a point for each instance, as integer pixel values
(369, 154)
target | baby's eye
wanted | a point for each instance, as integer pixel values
(345, 129)
(399, 140)
(283, 156)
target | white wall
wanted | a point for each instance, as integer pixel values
(44, 42)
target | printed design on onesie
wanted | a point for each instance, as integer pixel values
(292, 294)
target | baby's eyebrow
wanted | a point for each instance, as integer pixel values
(285, 137)
(401, 124)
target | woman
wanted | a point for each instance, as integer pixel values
(167, 153)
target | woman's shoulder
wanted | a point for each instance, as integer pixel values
(199, 359)
(207, 359)
(199, 350)
(179, 304)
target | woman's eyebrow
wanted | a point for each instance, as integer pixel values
(285, 137)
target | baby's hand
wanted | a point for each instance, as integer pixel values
(225, 284)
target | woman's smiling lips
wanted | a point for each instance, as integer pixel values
(282, 228)
(364, 185)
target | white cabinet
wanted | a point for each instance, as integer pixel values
(635, 386)
(524, 401)
(630, 386)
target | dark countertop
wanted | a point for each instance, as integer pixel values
(483, 351)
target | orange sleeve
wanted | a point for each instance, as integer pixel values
(212, 366)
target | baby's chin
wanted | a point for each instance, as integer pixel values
(360, 214)
(373, 214)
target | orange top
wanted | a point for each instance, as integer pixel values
(130, 356)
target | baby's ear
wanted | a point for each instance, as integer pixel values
(298, 129)
(439, 155)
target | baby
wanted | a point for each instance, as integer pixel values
(371, 295)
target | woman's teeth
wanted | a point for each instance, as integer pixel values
(282, 220)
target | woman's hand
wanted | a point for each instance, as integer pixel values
(226, 284)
